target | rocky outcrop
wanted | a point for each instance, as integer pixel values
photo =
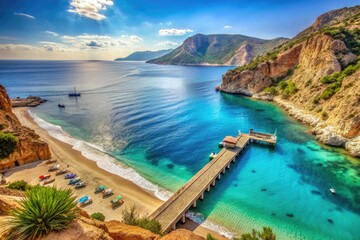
(249, 82)
(30, 101)
(29, 147)
(120, 231)
(328, 19)
(181, 234)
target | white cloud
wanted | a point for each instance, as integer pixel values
(54, 34)
(167, 44)
(86, 41)
(15, 47)
(148, 24)
(174, 32)
(24, 15)
(90, 8)
(227, 26)
(135, 39)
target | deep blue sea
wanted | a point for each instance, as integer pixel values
(157, 125)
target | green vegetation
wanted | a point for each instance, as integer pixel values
(265, 234)
(131, 217)
(324, 115)
(351, 115)
(271, 90)
(210, 237)
(43, 210)
(19, 185)
(351, 38)
(98, 216)
(289, 90)
(335, 81)
(7, 144)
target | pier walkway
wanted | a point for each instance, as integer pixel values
(174, 210)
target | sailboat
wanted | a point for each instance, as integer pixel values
(74, 94)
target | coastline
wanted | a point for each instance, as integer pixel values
(94, 175)
(323, 133)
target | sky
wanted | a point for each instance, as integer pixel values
(107, 29)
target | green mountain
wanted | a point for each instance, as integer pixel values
(218, 49)
(144, 55)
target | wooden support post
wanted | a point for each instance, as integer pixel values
(219, 176)
(183, 219)
(202, 196)
(228, 166)
(223, 171)
(173, 227)
(208, 189)
(213, 183)
(194, 204)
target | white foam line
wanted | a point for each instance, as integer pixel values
(110, 164)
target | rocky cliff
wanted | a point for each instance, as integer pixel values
(314, 75)
(29, 146)
(218, 49)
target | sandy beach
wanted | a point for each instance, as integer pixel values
(94, 176)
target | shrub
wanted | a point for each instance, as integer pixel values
(131, 217)
(265, 234)
(7, 144)
(43, 210)
(19, 185)
(324, 115)
(271, 90)
(283, 85)
(210, 237)
(98, 216)
(351, 115)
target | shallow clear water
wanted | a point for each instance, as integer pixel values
(163, 121)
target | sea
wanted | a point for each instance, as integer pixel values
(157, 124)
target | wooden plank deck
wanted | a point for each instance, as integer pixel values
(173, 210)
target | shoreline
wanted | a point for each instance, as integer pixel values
(94, 175)
(324, 134)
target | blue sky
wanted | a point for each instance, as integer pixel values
(106, 29)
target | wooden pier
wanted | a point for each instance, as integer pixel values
(174, 210)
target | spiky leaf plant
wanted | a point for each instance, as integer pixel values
(43, 210)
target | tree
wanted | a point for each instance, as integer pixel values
(98, 216)
(265, 234)
(8, 144)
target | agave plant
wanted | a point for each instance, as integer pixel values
(43, 210)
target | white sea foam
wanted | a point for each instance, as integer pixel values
(110, 164)
(102, 159)
(199, 218)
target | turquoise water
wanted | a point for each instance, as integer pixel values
(163, 121)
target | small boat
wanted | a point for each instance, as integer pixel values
(99, 189)
(117, 201)
(332, 190)
(221, 145)
(74, 180)
(74, 94)
(43, 177)
(47, 181)
(61, 105)
(62, 171)
(84, 200)
(107, 192)
(80, 184)
(54, 168)
(50, 161)
(212, 156)
(70, 175)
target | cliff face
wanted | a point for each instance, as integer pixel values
(318, 74)
(29, 147)
(219, 49)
